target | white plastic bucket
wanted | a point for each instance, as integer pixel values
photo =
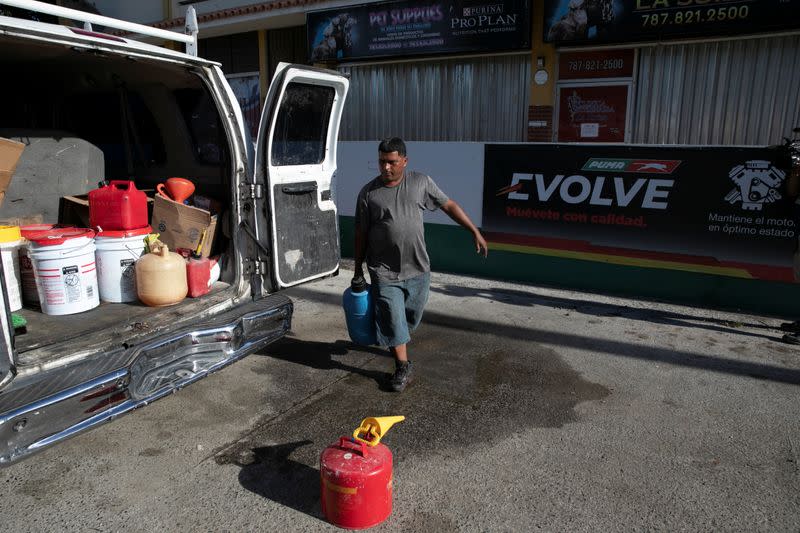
(117, 252)
(30, 295)
(66, 275)
(9, 250)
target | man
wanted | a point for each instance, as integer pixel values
(389, 235)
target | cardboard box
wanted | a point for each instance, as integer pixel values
(22, 221)
(10, 152)
(74, 211)
(182, 226)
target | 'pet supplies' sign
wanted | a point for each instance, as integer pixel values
(715, 210)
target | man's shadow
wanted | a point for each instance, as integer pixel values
(269, 472)
(320, 355)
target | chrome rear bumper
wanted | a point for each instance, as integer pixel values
(151, 370)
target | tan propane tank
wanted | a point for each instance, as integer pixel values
(161, 277)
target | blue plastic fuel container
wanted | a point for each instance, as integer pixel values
(359, 313)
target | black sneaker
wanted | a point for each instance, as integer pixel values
(403, 374)
(792, 338)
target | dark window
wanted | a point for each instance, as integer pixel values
(286, 45)
(202, 120)
(237, 52)
(302, 125)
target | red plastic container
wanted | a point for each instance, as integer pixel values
(356, 484)
(117, 206)
(198, 272)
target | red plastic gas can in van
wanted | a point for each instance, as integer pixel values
(117, 206)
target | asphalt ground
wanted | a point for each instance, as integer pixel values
(533, 408)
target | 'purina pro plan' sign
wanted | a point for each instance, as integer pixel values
(717, 210)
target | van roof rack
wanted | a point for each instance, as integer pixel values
(189, 37)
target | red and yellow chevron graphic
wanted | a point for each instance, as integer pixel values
(584, 250)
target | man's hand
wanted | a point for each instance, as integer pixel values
(454, 211)
(480, 244)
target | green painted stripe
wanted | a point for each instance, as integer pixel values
(451, 250)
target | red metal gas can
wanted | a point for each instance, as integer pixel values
(117, 206)
(356, 483)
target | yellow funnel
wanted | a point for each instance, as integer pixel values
(373, 428)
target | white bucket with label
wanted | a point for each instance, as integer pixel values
(30, 295)
(10, 244)
(64, 266)
(117, 252)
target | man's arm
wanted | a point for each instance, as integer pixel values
(360, 250)
(455, 212)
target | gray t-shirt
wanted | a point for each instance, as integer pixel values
(392, 220)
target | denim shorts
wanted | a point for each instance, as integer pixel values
(398, 308)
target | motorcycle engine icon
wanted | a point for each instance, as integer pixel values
(756, 183)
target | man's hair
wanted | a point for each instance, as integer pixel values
(394, 144)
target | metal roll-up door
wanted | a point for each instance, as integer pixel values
(744, 92)
(462, 99)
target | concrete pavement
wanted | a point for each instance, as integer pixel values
(533, 408)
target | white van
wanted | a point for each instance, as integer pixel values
(148, 113)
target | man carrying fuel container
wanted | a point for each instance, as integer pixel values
(389, 235)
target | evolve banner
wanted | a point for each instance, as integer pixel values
(717, 210)
(606, 21)
(412, 28)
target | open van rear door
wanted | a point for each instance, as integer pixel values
(295, 161)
